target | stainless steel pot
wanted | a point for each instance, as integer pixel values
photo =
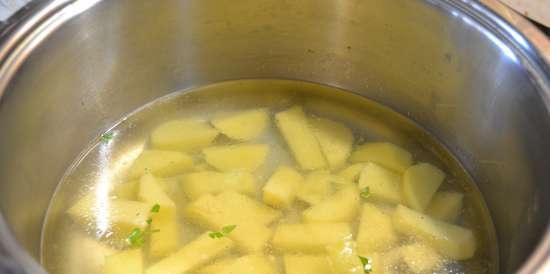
(69, 69)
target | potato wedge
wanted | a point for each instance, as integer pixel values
(420, 182)
(197, 184)
(125, 262)
(301, 140)
(236, 157)
(352, 172)
(335, 139)
(162, 163)
(445, 206)
(184, 135)
(280, 190)
(340, 207)
(309, 237)
(383, 184)
(376, 232)
(421, 258)
(305, 264)
(251, 264)
(193, 255)
(243, 126)
(449, 240)
(343, 258)
(317, 187)
(385, 154)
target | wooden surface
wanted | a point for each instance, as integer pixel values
(539, 39)
(537, 10)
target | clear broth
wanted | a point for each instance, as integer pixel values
(67, 248)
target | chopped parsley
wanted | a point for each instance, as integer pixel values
(365, 193)
(106, 137)
(136, 238)
(226, 230)
(367, 264)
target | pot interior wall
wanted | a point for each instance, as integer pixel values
(428, 61)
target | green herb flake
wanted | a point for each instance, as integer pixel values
(155, 208)
(149, 221)
(215, 235)
(365, 193)
(226, 230)
(367, 264)
(135, 238)
(106, 137)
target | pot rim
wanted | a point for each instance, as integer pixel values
(28, 27)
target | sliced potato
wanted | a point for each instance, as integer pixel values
(386, 154)
(280, 189)
(166, 240)
(335, 139)
(191, 256)
(251, 237)
(119, 216)
(316, 187)
(376, 232)
(185, 135)
(309, 237)
(340, 207)
(161, 163)
(383, 184)
(199, 183)
(217, 266)
(236, 157)
(245, 125)
(125, 262)
(229, 208)
(127, 190)
(352, 172)
(251, 264)
(420, 182)
(343, 258)
(421, 258)
(450, 240)
(306, 264)
(301, 140)
(445, 206)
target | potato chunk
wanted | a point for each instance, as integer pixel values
(301, 140)
(125, 262)
(229, 208)
(185, 135)
(309, 237)
(343, 258)
(250, 264)
(197, 184)
(384, 185)
(243, 126)
(104, 215)
(217, 266)
(316, 187)
(280, 189)
(446, 206)
(161, 163)
(191, 256)
(166, 240)
(233, 157)
(376, 232)
(420, 182)
(127, 190)
(420, 258)
(335, 140)
(304, 264)
(386, 154)
(451, 241)
(340, 207)
(352, 172)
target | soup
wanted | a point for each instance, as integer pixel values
(266, 176)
